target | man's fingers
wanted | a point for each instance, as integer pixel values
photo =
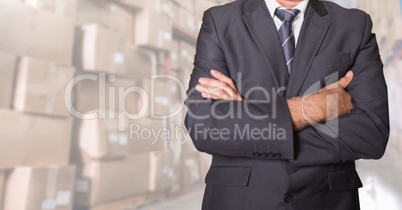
(220, 88)
(224, 93)
(345, 81)
(211, 92)
(221, 77)
(211, 82)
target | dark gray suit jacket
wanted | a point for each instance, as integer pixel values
(280, 169)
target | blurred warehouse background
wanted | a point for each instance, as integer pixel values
(72, 70)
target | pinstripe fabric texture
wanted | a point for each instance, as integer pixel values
(286, 34)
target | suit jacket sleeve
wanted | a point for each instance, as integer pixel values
(362, 134)
(203, 121)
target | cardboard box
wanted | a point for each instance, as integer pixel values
(190, 173)
(36, 188)
(177, 91)
(33, 140)
(146, 135)
(186, 56)
(184, 76)
(162, 6)
(103, 182)
(64, 8)
(186, 4)
(40, 87)
(159, 97)
(162, 174)
(167, 7)
(7, 71)
(103, 95)
(201, 7)
(141, 64)
(141, 4)
(396, 30)
(188, 149)
(107, 14)
(170, 60)
(2, 186)
(153, 29)
(35, 33)
(100, 139)
(185, 20)
(182, 145)
(174, 55)
(98, 49)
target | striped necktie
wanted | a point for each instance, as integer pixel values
(286, 33)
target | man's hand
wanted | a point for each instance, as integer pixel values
(221, 88)
(331, 102)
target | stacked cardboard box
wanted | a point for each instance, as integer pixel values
(172, 60)
(2, 183)
(159, 96)
(101, 182)
(115, 164)
(190, 173)
(106, 14)
(153, 29)
(386, 17)
(35, 62)
(146, 135)
(186, 56)
(93, 59)
(32, 188)
(140, 4)
(186, 4)
(40, 87)
(7, 70)
(28, 33)
(63, 8)
(101, 93)
(141, 63)
(33, 140)
(119, 153)
(184, 18)
(100, 49)
(162, 172)
(201, 7)
(186, 53)
(100, 139)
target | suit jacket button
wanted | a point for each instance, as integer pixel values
(257, 154)
(288, 198)
(277, 155)
(270, 155)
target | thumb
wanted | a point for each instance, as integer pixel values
(345, 81)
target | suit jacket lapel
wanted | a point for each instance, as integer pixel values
(311, 36)
(262, 28)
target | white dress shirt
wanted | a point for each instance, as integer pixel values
(297, 22)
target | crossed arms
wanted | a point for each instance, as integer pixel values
(359, 115)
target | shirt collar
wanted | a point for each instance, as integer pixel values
(273, 5)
